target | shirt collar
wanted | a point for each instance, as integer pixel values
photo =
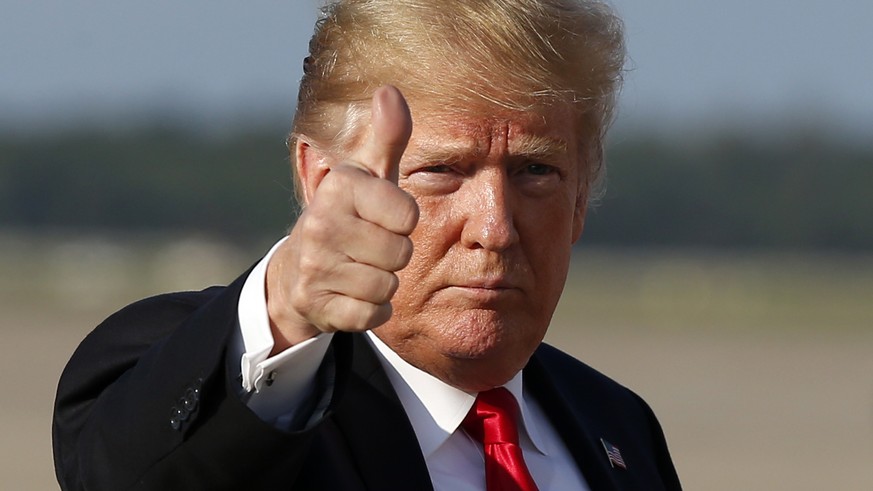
(437, 409)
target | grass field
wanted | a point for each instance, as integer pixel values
(760, 366)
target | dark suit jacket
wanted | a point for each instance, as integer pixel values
(146, 402)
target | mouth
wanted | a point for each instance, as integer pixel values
(486, 284)
(483, 290)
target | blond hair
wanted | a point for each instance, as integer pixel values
(519, 55)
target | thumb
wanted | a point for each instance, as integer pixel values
(388, 135)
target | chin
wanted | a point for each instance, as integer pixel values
(472, 349)
(485, 371)
(487, 337)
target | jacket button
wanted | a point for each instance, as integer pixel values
(193, 394)
(187, 403)
(180, 413)
(175, 422)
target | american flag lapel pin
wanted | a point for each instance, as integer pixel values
(614, 455)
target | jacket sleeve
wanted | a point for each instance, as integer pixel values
(146, 402)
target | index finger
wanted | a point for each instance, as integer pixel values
(388, 134)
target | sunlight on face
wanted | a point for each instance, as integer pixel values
(500, 209)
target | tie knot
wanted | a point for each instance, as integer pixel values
(493, 417)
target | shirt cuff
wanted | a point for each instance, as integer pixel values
(290, 379)
(279, 384)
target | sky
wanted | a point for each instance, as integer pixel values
(692, 63)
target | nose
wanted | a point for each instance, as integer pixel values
(487, 207)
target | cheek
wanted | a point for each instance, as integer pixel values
(547, 236)
(432, 238)
(548, 224)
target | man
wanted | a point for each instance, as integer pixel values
(376, 346)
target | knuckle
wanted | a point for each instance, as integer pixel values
(401, 210)
(354, 318)
(340, 175)
(407, 214)
(309, 267)
(380, 315)
(404, 255)
(348, 176)
(337, 187)
(338, 314)
(367, 316)
(329, 186)
(397, 253)
(318, 227)
(387, 286)
(342, 313)
(363, 317)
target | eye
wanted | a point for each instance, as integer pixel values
(536, 179)
(433, 178)
(538, 169)
(437, 169)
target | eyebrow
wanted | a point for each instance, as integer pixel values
(538, 147)
(445, 151)
(533, 147)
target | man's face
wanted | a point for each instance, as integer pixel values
(500, 207)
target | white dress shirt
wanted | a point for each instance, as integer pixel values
(455, 461)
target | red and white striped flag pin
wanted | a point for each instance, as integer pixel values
(615, 458)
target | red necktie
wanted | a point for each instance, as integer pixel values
(492, 421)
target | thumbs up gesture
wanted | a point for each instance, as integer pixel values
(336, 271)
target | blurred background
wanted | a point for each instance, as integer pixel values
(726, 275)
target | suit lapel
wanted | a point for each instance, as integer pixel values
(577, 431)
(383, 443)
(379, 434)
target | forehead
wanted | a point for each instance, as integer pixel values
(545, 132)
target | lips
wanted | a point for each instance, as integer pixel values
(482, 291)
(486, 283)
(483, 281)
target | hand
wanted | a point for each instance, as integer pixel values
(336, 270)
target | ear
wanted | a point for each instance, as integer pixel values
(580, 212)
(312, 165)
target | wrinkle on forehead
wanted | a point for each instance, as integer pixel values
(444, 148)
(450, 139)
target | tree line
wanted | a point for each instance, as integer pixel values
(801, 192)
